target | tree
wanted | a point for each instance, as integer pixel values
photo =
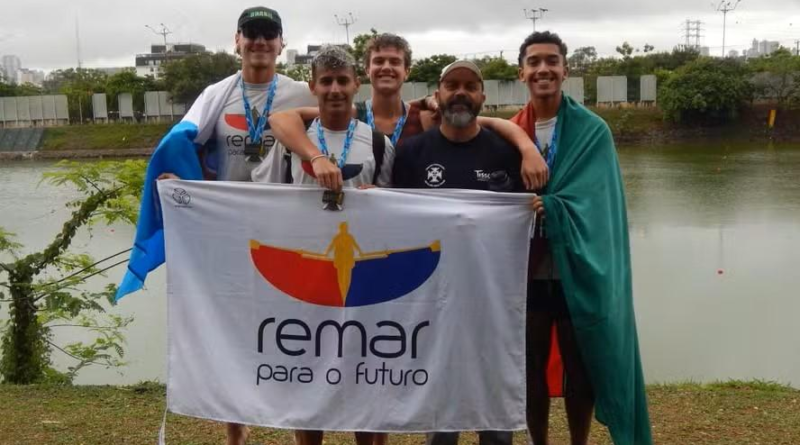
(706, 91)
(185, 79)
(581, 59)
(429, 69)
(778, 77)
(45, 290)
(359, 52)
(29, 89)
(497, 68)
(300, 73)
(128, 82)
(7, 89)
(625, 50)
(78, 85)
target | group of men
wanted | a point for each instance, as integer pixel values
(262, 126)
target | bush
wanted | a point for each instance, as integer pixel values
(706, 91)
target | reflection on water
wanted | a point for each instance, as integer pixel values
(715, 238)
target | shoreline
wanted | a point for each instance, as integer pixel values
(75, 154)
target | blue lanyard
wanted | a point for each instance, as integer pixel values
(398, 128)
(258, 130)
(348, 141)
(549, 152)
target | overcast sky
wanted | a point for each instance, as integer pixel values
(42, 32)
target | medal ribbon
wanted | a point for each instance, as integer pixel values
(255, 131)
(549, 152)
(398, 128)
(348, 141)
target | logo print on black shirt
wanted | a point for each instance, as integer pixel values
(435, 175)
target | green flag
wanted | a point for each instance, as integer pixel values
(587, 228)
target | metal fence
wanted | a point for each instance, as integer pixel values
(158, 106)
(499, 93)
(33, 111)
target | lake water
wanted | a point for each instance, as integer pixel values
(715, 237)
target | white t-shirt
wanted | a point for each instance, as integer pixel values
(360, 164)
(544, 131)
(231, 131)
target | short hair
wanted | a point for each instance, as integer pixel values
(388, 40)
(332, 57)
(542, 37)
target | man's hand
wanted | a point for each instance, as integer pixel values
(167, 176)
(328, 175)
(367, 186)
(431, 104)
(538, 206)
(535, 173)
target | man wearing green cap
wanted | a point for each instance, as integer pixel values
(226, 133)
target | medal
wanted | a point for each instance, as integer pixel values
(332, 200)
(253, 152)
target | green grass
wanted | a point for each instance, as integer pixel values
(722, 413)
(101, 137)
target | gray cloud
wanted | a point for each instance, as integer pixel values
(42, 32)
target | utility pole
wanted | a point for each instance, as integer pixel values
(78, 41)
(346, 22)
(534, 14)
(725, 6)
(163, 32)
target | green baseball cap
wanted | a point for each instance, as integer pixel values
(257, 13)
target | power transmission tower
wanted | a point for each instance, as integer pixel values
(346, 22)
(534, 14)
(693, 30)
(164, 32)
(725, 6)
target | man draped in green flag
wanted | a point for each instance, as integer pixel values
(580, 292)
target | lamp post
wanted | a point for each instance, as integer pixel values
(725, 6)
(534, 14)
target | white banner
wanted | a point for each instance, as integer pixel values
(403, 312)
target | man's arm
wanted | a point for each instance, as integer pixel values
(289, 128)
(534, 168)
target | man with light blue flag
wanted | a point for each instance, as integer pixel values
(224, 136)
(219, 129)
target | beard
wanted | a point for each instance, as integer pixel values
(460, 118)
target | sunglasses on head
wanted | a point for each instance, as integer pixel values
(252, 32)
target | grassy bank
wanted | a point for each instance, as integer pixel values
(725, 413)
(629, 126)
(643, 126)
(101, 137)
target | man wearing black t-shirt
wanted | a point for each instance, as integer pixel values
(459, 154)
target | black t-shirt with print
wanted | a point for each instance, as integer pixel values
(430, 160)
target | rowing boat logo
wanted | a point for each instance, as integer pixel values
(348, 278)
